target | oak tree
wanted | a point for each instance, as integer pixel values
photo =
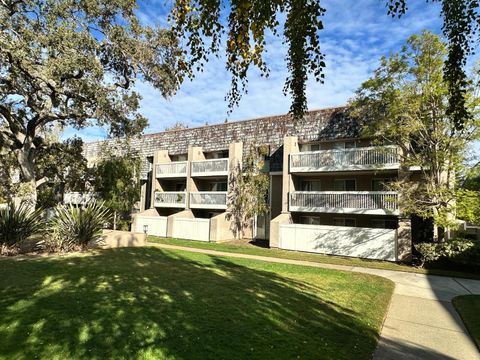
(74, 63)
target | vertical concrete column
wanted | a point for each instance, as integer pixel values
(159, 156)
(404, 231)
(194, 153)
(404, 239)
(290, 145)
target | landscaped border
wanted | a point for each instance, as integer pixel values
(304, 256)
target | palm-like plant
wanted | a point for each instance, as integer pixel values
(17, 223)
(79, 226)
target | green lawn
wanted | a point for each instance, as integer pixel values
(468, 306)
(295, 255)
(150, 303)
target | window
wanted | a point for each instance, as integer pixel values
(380, 184)
(310, 185)
(383, 223)
(345, 145)
(181, 157)
(180, 186)
(344, 222)
(310, 220)
(219, 186)
(309, 147)
(345, 185)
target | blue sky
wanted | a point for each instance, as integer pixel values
(356, 35)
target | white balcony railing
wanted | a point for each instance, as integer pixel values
(208, 200)
(353, 202)
(378, 157)
(78, 198)
(173, 169)
(211, 167)
(172, 199)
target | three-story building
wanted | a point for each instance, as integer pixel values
(328, 188)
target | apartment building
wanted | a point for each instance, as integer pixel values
(328, 188)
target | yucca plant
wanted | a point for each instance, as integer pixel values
(17, 223)
(74, 227)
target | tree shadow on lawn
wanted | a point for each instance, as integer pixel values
(150, 303)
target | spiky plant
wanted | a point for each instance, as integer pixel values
(77, 227)
(17, 223)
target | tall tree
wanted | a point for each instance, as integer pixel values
(116, 181)
(74, 62)
(461, 25)
(406, 103)
(248, 191)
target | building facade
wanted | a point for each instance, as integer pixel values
(327, 185)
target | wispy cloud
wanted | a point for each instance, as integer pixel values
(356, 35)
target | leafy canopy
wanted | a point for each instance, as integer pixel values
(200, 23)
(406, 103)
(461, 25)
(74, 63)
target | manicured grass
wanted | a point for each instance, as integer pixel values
(295, 255)
(468, 306)
(151, 303)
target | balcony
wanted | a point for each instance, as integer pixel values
(211, 167)
(208, 200)
(170, 199)
(367, 158)
(78, 198)
(171, 170)
(345, 202)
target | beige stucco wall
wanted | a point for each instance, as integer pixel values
(182, 214)
(115, 239)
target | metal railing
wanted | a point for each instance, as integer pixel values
(331, 201)
(208, 200)
(209, 167)
(359, 158)
(78, 198)
(170, 199)
(173, 169)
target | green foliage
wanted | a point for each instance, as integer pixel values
(76, 227)
(196, 21)
(248, 190)
(458, 251)
(65, 169)
(461, 20)
(18, 224)
(468, 205)
(75, 63)
(406, 103)
(116, 182)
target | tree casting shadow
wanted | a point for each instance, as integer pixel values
(150, 303)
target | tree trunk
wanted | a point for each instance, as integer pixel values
(26, 163)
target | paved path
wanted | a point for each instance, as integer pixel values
(421, 322)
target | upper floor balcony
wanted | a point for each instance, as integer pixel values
(210, 167)
(208, 200)
(170, 199)
(174, 169)
(366, 158)
(345, 202)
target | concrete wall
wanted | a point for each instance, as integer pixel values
(115, 239)
(378, 244)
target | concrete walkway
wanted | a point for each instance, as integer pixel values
(421, 322)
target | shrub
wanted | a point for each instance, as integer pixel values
(18, 223)
(459, 251)
(77, 227)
